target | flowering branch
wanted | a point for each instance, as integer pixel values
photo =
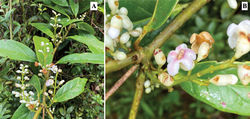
(121, 81)
(115, 65)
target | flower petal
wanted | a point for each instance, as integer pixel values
(173, 68)
(181, 46)
(232, 40)
(186, 64)
(232, 28)
(245, 25)
(171, 56)
(189, 54)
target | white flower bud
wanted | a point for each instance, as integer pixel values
(126, 23)
(109, 43)
(244, 74)
(123, 11)
(40, 74)
(18, 78)
(31, 93)
(223, 80)
(203, 51)
(147, 83)
(128, 44)
(232, 3)
(18, 85)
(120, 55)
(26, 78)
(113, 5)
(46, 94)
(50, 92)
(42, 43)
(159, 57)
(242, 46)
(147, 90)
(18, 71)
(115, 27)
(59, 70)
(124, 37)
(22, 101)
(137, 32)
(157, 85)
(165, 79)
(61, 82)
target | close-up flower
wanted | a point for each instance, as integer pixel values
(201, 43)
(182, 57)
(239, 37)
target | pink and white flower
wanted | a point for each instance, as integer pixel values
(181, 57)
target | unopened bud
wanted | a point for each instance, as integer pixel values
(120, 55)
(166, 79)
(244, 74)
(127, 23)
(159, 57)
(223, 80)
(232, 3)
(147, 83)
(123, 11)
(147, 90)
(137, 32)
(124, 37)
(115, 27)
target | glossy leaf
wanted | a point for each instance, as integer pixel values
(66, 21)
(82, 58)
(74, 4)
(162, 12)
(86, 27)
(16, 51)
(144, 8)
(70, 90)
(43, 56)
(91, 41)
(230, 98)
(36, 83)
(63, 3)
(23, 113)
(45, 28)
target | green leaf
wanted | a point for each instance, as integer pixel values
(144, 8)
(226, 11)
(70, 90)
(86, 27)
(66, 21)
(91, 41)
(82, 58)
(74, 4)
(230, 98)
(162, 12)
(23, 113)
(45, 28)
(36, 83)
(43, 56)
(16, 51)
(63, 3)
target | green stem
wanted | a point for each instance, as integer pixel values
(50, 115)
(37, 113)
(11, 32)
(138, 95)
(114, 65)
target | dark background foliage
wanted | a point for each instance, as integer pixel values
(160, 104)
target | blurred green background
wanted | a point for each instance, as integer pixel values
(214, 17)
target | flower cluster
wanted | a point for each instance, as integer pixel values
(55, 19)
(115, 24)
(149, 86)
(26, 97)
